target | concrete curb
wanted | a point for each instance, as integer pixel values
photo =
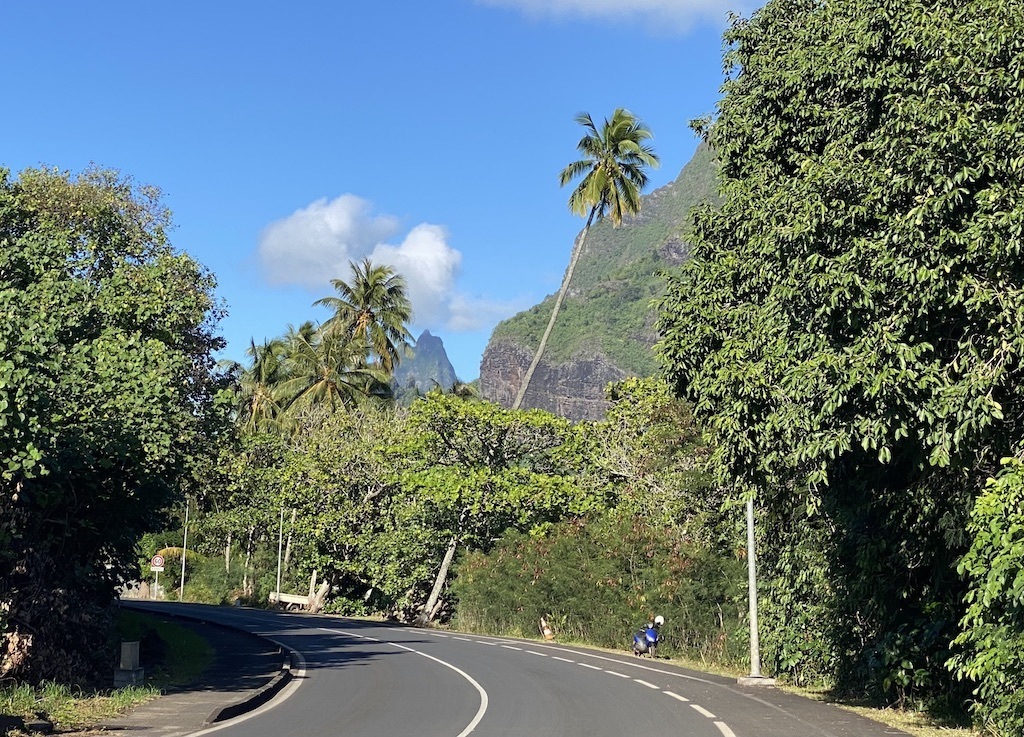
(261, 696)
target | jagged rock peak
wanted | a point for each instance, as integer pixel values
(428, 366)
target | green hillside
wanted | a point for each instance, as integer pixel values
(608, 307)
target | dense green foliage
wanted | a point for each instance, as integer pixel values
(661, 544)
(597, 580)
(850, 324)
(375, 498)
(107, 398)
(608, 309)
(991, 646)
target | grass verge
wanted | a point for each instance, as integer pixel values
(172, 655)
(916, 723)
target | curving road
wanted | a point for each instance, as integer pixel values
(368, 679)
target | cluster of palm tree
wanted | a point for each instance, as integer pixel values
(345, 362)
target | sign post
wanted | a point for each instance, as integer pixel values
(156, 565)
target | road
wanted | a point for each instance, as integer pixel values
(371, 679)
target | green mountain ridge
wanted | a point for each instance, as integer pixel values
(607, 311)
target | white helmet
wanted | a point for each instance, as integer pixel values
(659, 620)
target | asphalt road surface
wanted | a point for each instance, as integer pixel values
(375, 679)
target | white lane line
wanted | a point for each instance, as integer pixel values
(484, 701)
(677, 697)
(438, 634)
(592, 667)
(464, 639)
(534, 652)
(702, 710)
(616, 673)
(564, 660)
(645, 683)
(724, 729)
(298, 677)
(632, 663)
(512, 647)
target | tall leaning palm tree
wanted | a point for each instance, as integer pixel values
(613, 167)
(374, 310)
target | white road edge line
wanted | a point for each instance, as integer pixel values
(677, 697)
(702, 710)
(724, 729)
(484, 701)
(297, 678)
(647, 683)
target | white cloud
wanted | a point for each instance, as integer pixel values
(316, 243)
(662, 15)
(429, 266)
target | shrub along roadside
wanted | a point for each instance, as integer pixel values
(596, 581)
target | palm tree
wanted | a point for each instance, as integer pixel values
(613, 168)
(258, 396)
(327, 369)
(374, 309)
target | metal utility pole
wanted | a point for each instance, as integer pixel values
(184, 552)
(280, 541)
(755, 678)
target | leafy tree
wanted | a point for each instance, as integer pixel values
(991, 647)
(373, 309)
(479, 469)
(343, 477)
(107, 395)
(849, 326)
(613, 169)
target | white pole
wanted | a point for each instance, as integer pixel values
(755, 649)
(184, 551)
(280, 540)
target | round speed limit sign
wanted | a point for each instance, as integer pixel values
(157, 563)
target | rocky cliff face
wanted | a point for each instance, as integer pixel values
(574, 389)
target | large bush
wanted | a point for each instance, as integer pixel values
(991, 647)
(597, 581)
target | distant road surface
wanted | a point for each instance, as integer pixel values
(375, 679)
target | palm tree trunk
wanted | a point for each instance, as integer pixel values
(430, 608)
(577, 249)
(247, 586)
(227, 554)
(288, 544)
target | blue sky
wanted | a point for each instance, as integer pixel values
(290, 139)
